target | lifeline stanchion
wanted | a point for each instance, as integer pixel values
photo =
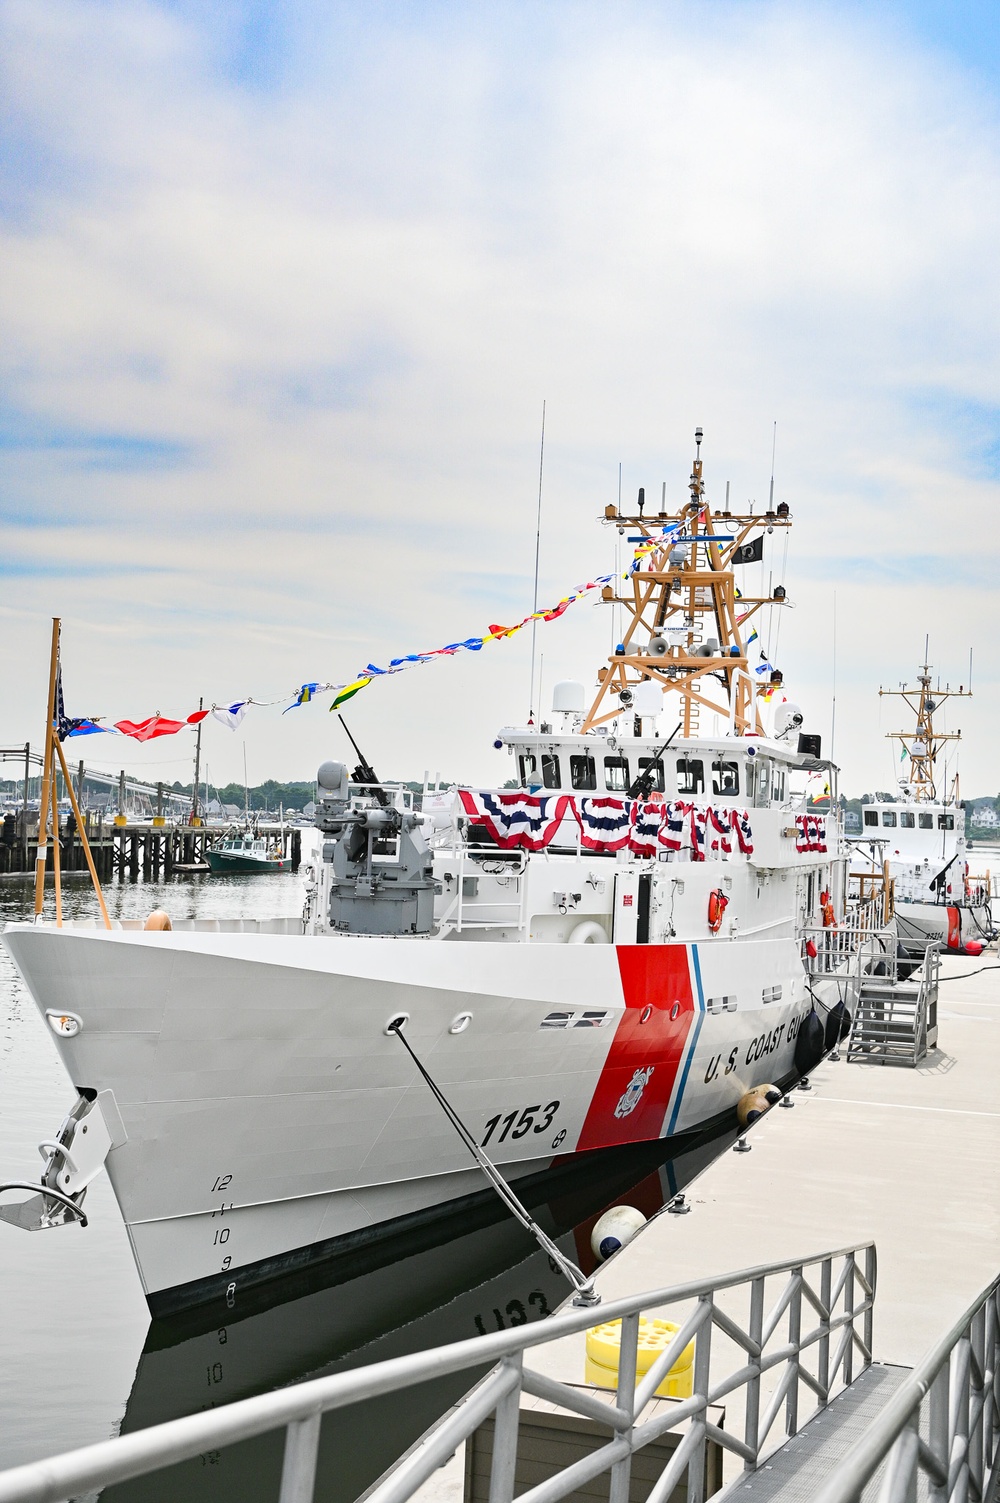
(585, 1294)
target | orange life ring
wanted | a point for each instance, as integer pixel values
(717, 905)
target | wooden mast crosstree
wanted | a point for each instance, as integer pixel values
(685, 614)
(924, 743)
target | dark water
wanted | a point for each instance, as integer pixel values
(80, 1359)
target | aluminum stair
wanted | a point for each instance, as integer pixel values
(895, 1015)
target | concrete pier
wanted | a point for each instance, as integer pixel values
(909, 1157)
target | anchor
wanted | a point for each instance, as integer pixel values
(73, 1158)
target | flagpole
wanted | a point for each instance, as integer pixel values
(56, 847)
(83, 837)
(197, 768)
(43, 803)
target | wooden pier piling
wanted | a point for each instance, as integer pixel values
(152, 851)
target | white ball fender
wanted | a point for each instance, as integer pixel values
(614, 1229)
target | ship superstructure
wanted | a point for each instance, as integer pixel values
(615, 949)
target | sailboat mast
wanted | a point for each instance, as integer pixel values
(197, 767)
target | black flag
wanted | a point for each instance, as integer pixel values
(749, 553)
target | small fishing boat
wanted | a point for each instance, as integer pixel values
(246, 851)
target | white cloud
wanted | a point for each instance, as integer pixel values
(324, 314)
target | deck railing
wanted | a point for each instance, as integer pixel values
(817, 1326)
(848, 948)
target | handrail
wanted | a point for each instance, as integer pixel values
(298, 1408)
(961, 1454)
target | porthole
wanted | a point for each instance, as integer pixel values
(646, 1014)
(460, 1022)
(396, 1023)
(675, 1012)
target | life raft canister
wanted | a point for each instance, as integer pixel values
(717, 905)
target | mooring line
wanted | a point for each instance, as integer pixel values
(585, 1294)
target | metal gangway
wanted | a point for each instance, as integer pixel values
(804, 1329)
(895, 1012)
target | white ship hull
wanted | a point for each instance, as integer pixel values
(952, 926)
(271, 1120)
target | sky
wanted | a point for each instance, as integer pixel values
(285, 287)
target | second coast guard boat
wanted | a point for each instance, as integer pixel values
(614, 951)
(917, 837)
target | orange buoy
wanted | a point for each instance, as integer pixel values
(158, 919)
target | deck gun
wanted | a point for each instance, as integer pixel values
(642, 786)
(377, 870)
(365, 772)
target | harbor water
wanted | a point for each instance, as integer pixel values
(80, 1359)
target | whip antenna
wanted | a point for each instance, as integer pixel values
(538, 543)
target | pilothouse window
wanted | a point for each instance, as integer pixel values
(690, 775)
(888, 819)
(777, 784)
(550, 770)
(616, 778)
(582, 772)
(946, 821)
(906, 821)
(725, 777)
(926, 821)
(528, 768)
(871, 816)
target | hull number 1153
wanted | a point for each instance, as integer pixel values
(520, 1122)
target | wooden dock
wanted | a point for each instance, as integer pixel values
(140, 848)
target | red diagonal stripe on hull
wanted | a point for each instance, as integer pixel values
(954, 929)
(654, 976)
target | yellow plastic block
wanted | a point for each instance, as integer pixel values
(604, 1350)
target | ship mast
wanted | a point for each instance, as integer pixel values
(924, 744)
(685, 614)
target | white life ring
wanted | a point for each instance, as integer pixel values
(590, 932)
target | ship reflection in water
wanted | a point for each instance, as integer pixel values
(452, 1280)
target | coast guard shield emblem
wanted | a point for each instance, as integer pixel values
(632, 1094)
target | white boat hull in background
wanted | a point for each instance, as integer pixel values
(951, 926)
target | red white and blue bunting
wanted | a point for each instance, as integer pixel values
(534, 821)
(811, 833)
